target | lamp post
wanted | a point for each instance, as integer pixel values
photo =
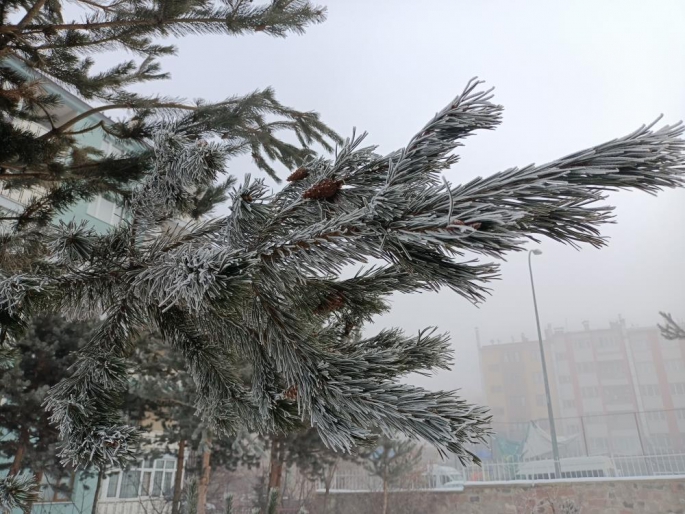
(548, 395)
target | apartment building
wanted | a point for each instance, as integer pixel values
(616, 390)
(146, 485)
(100, 213)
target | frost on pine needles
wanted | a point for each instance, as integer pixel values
(263, 284)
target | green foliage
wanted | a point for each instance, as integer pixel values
(18, 491)
(228, 509)
(36, 43)
(272, 506)
(261, 286)
(190, 494)
(393, 459)
(43, 357)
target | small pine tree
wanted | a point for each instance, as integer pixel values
(392, 460)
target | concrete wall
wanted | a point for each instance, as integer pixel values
(656, 496)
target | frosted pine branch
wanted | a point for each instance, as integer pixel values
(263, 285)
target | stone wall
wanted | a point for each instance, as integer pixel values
(656, 496)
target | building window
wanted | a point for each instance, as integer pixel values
(517, 401)
(674, 365)
(650, 390)
(656, 415)
(589, 392)
(540, 400)
(645, 368)
(680, 414)
(150, 479)
(565, 379)
(493, 368)
(585, 367)
(611, 369)
(569, 404)
(640, 345)
(513, 356)
(678, 388)
(537, 378)
(607, 342)
(561, 356)
(57, 489)
(618, 394)
(496, 389)
(104, 210)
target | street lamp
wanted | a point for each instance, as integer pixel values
(550, 412)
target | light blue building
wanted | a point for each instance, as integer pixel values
(77, 491)
(101, 213)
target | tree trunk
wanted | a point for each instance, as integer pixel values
(204, 479)
(39, 479)
(98, 486)
(178, 480)
(328, 481)
(21, 451)
(276, 465)
(385, 492)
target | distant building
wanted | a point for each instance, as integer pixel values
(619, 390)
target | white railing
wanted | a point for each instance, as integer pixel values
(585, 468)
(133, 506)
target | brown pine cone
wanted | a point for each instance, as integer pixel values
(291, 393)
(298, 174)
(323, 190)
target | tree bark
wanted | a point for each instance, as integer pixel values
(178, 481)
(21, 451)
(38, 478)
(98, 487)
(204, 479)
(276, 464)
(328, 481)
(385, 492)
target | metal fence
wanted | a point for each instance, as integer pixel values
(647, 432)
(585, 468)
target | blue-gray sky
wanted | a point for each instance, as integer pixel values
(569, 74)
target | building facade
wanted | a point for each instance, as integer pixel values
(74, 493)
(616, 391)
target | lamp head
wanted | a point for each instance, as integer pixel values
(536, 252)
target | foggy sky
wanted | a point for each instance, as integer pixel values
(570, 75)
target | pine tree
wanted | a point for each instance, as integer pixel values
(263, 284)
(37, 41)
(392, 460)
(165, 395)
(42, 359)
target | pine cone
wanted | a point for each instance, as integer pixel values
(260, 28)
(325, 189)
(298, 174)
(331, 304)
(246, 197)
(291, 393)
(475, 225)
